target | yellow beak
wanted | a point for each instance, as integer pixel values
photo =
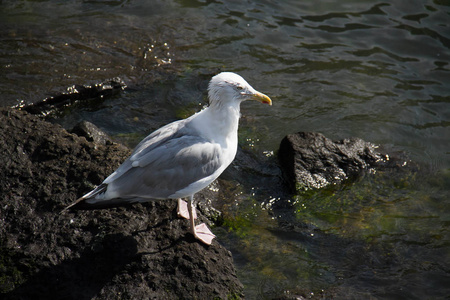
(261, 98)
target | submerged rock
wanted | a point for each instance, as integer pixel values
(76, 93)
(141, 251)
(310, 160)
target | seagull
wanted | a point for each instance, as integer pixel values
(181, 158)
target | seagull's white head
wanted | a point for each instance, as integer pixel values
(228, 87)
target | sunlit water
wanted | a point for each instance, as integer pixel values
(376, 70)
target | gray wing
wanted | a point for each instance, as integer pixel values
(166, 161)
(167, 168)
(152, 141)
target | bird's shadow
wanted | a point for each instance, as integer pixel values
(83, 277)
(170, 242)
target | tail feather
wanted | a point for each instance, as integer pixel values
(98, 190)
(82, 204)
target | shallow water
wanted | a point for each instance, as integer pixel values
(372, 69)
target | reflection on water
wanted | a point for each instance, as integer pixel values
(372, 69)
(385, 235)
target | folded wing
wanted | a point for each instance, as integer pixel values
(166, 162)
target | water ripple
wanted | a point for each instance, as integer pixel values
(378, 70)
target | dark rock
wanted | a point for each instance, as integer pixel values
(310, 160)
(141, 251)
(76, 93)
(91, 132)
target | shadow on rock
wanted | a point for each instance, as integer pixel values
(83, 277)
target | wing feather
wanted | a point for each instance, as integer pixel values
(168, 168)
(152, 141)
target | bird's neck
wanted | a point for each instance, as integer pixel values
(226, 116)
(223, 121)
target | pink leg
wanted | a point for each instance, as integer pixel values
(183, 210)
(200, 232)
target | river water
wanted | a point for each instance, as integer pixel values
(378, 70)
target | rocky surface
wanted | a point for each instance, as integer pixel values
(76, 93)
(141, 251)
(310, 160)
(91, 133)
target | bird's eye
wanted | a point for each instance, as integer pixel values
(239, 87)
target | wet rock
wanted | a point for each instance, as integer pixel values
(140, 251)
(92, 133)
(76, 93)
(310, 160)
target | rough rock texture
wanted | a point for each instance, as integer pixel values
(91, 133)
(310, 160)
(76, 93)
(141, 251)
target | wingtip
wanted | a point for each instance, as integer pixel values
(72, 205)
(100, 189)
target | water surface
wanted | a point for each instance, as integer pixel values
(371, 69)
